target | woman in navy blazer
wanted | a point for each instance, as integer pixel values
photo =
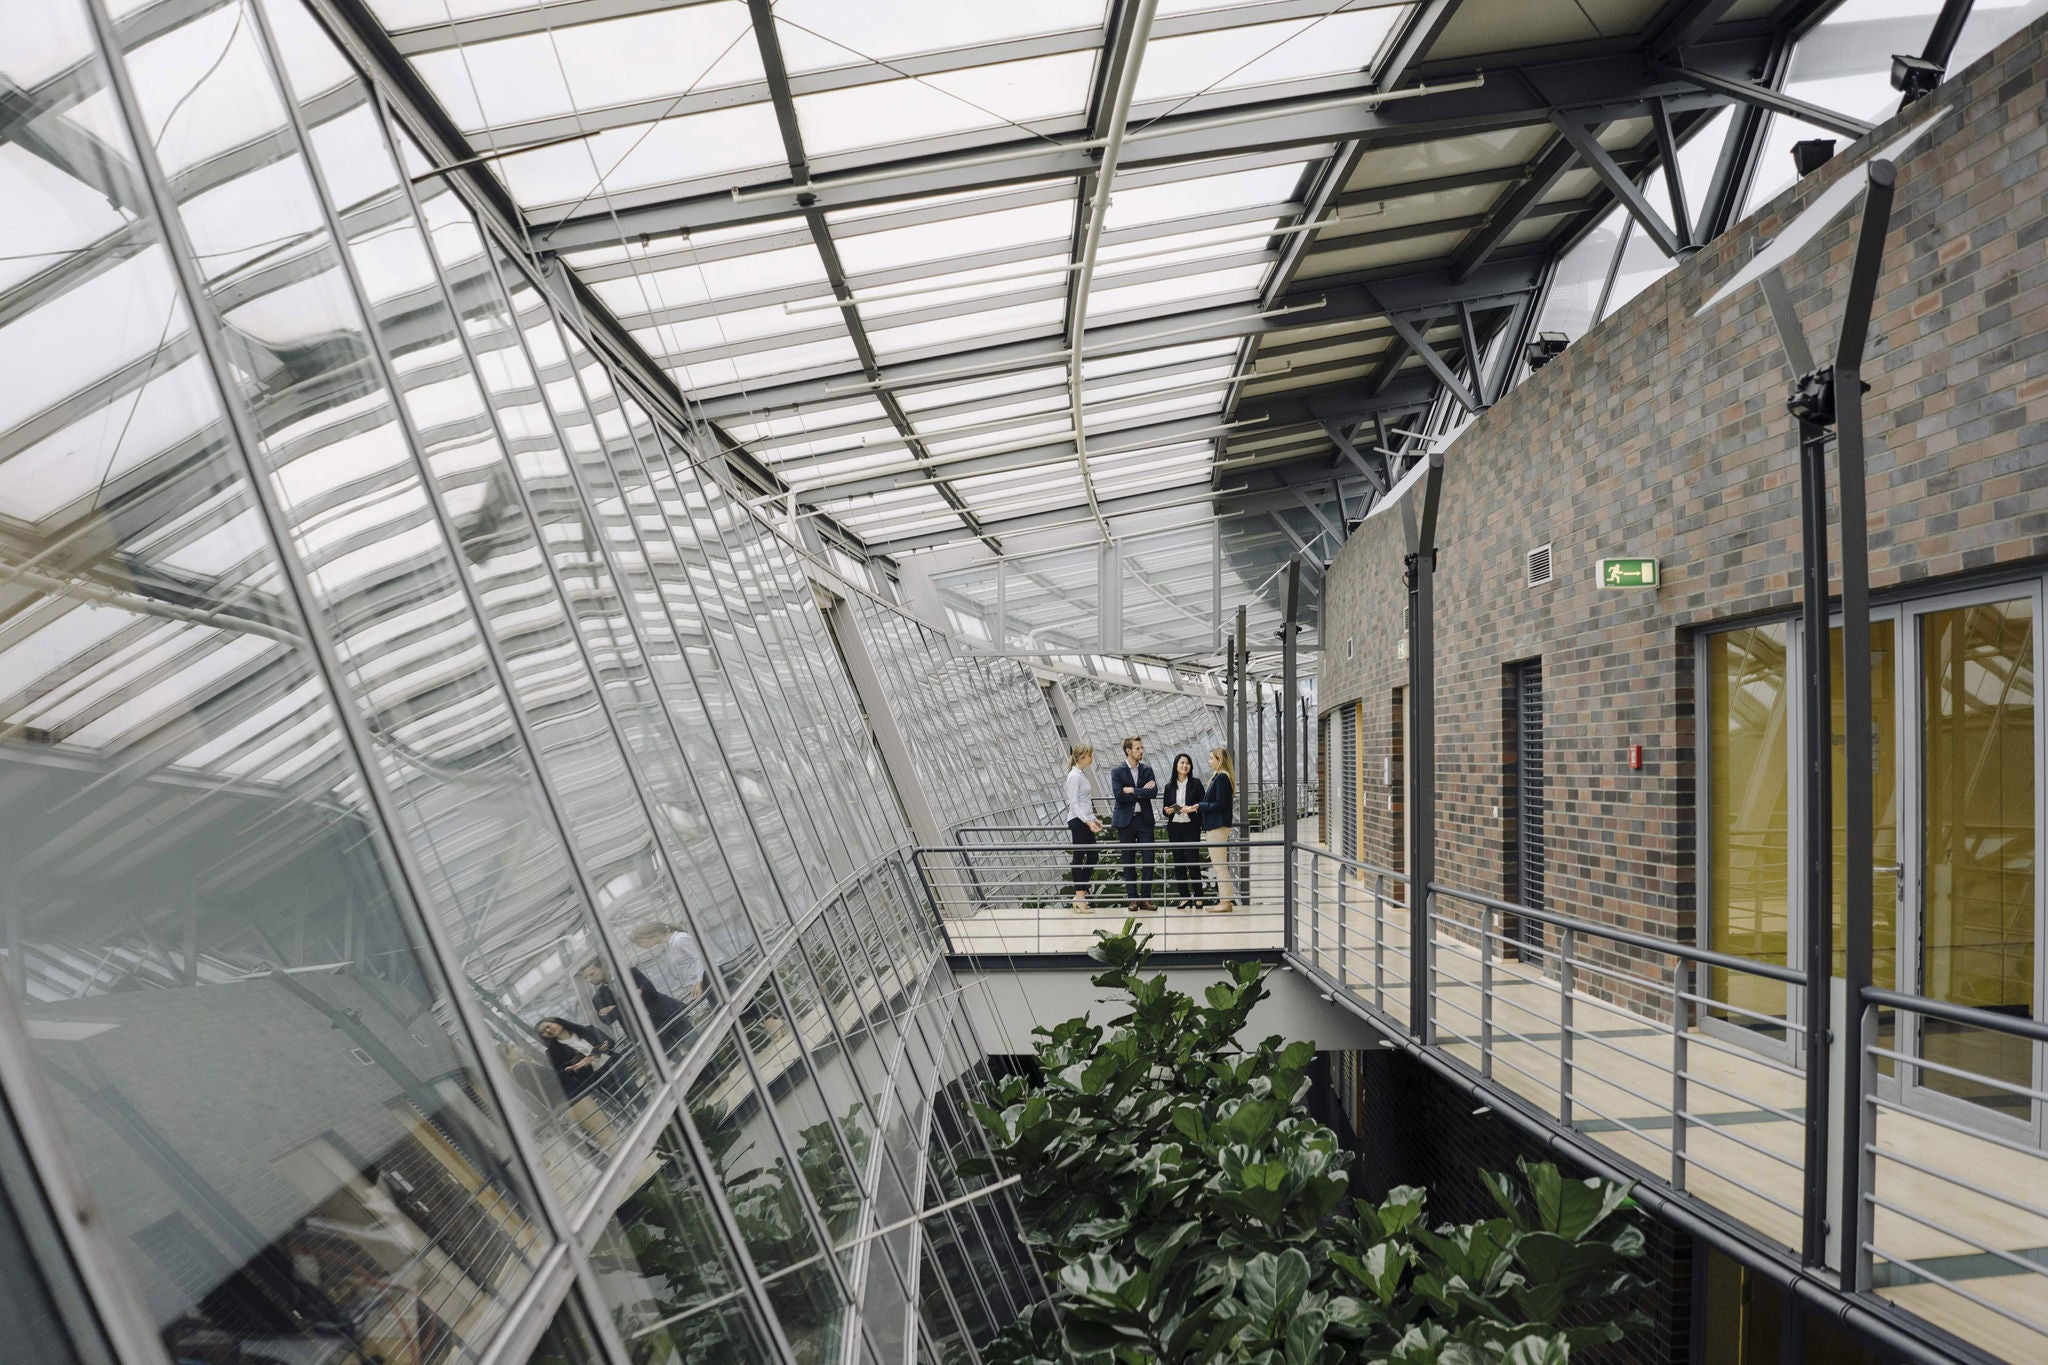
(1218, 816)
(1182, 807)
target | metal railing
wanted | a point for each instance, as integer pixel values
(1682, 1067)
(1012, 891)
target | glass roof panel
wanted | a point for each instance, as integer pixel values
(235, 103)
(675, 149)
(1052, 428)
(994, 412)
(1260, 54)
(1202, 194)
(816, 34)
(587, 66)
(1026, 317)
(1168, 248)
(889, 112)
(1039, 274)
(945, 395)
(1210, 286)
(701, 281)
(949, 237)
(735, 369)
(1165, 355)
(808, 419)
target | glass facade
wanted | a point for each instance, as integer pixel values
(439, 905)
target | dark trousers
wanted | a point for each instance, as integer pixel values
(1136, 837)
(1185, 877)
(1085, 853)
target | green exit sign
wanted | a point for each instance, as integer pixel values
(1628, 573)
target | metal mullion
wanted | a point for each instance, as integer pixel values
(620, 969)
(905, 1278)
(1029, 1265)
(627, 606)
(685, 581)
(733, 608)
(807, 1201)
(916, 1189)
(396, 857)
(805, 623)
(604, 453)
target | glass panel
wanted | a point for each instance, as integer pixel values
(668, 1276)
(567, 1342)
(1573, 301)
(32, 1328)
(1978, 801)
(816, 34)
(1748, 865)
(1259, 54)
(382, 572)
(768, 1201)
(1884, 816)
(211, 951)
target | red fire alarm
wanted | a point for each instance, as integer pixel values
(1635, 757)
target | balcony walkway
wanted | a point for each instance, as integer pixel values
(1607, 1034)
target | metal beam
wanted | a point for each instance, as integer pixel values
(1348, 451)
(1674, 183)
(1777, 101)
(1543, 175)
(1511, 97)
(1681, 22)
(1438, 366)
(1586, 142)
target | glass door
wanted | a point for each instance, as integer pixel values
(1749, 680)
(1974, 900)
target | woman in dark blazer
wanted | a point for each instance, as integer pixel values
(1181, 800)
(1218, 816)
(578, 1053)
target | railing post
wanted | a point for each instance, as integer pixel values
(1681, 1015)
(1290, 739)
(1379, 943)
(1566, 941)
(1343, 881)
(1486, 991)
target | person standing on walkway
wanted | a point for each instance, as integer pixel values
(1218, 817)
(1183, 809)
(1082, 824)
(1134, 788)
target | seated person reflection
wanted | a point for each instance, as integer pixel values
(664, 1011)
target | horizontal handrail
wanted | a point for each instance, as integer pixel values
(1374, 868)
(1989, 1020)
(1690, 952)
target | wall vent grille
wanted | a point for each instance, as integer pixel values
(1539, 566)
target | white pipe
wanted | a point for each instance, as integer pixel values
(1091, 237)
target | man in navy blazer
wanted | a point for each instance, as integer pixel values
(1134, 788)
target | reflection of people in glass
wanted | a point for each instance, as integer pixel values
(582, 1059)
(664, 1011)
(673, 954)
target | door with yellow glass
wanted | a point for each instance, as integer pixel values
(1974, 900)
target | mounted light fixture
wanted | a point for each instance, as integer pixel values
(1812, 154)
(1547, 347)
(1915, 77)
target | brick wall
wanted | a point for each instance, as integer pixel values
(1663, 433)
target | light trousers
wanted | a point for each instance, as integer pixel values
(1220, 857)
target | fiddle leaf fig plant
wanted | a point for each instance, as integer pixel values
(1190, 1211)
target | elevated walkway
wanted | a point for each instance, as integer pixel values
(1625, 1051)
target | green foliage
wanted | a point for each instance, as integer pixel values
(1196, 1213)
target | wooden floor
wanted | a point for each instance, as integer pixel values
(1961, 1225)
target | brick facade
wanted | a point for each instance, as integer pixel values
(1664, 433)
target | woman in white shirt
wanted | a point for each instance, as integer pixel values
(1183, 811)
(1082, 824)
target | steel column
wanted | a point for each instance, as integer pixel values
(1857, 1122)
(1421, 533)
